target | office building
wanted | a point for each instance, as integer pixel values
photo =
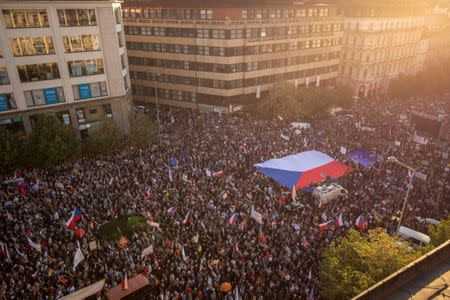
(63, 57)
(382, 39)
(229, 52)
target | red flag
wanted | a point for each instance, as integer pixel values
(125, 282)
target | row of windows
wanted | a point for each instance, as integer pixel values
(163, 13)
(207, 33)
(207, 14)
(44, 96)
(165, 93)
(232, 68)
(26, 46)
(48, 71)
(233, 84)
(234, 51)
(32, 18)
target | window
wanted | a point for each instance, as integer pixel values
(4, 79)
(44, 96)
(188, 14)
(261, 14)
(203, 33)
(28, 18)
(244, 14)
(81, 43)
(122, 60)
(206, 14)
(38, 72)
(159, 31)
(218, 33)
(77, 17)
(85, 67)
(32, 46)
(119, 39)
(7, 102)
(117, 14)
(89, 90)
(126, 86)
(236, 33)
(275, 14)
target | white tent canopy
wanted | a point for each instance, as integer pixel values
(300, 125)
(409, 233)
(86, 292)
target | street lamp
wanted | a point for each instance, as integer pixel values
(393, 159)
(156, 97)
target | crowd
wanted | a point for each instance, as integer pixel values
(276, 260)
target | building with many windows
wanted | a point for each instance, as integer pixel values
(228, 52)
(381, 40)
(437, 36)
(62, 57)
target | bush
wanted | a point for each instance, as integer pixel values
(355, 263)
(51, 142)
(104, 139)
(142, 130)
(9, 149)
(440, 233)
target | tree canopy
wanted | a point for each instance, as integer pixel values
(104, 139)
(305, 102)
(355, 263)
(9, 148)
(142, 130)
(433, 79)
(440, 233)
(51, 141)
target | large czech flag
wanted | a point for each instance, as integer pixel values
(303, 169)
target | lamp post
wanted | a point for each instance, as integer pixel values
(157, 103)
(157, 100)
(393, 159)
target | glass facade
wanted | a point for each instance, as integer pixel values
(4, 79)
(7, 102)
(85, 67)
(38, 72)
(77, 17)
(26, 46)
(25, 18)
(44, 96)
(81, 43)
(89, 90)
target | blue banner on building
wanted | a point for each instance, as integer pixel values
(85, 91)
(3, 103)
(51, 96)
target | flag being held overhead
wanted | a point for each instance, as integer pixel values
(361, 222)
(125, 282)
(233, 218)
(74, 218)
(340, 221)
(187, 217)
(172, 211)
(326, 225)
(79, 257)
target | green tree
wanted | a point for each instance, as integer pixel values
(142, 130)
(440, 233)
(355, 263)
(104, 139)
(343, 96)
(9, 148)
(51, 142)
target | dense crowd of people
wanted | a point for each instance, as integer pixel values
(195, 248)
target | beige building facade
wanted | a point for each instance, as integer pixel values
(223, 54)
(63, 57)
(376, 50)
